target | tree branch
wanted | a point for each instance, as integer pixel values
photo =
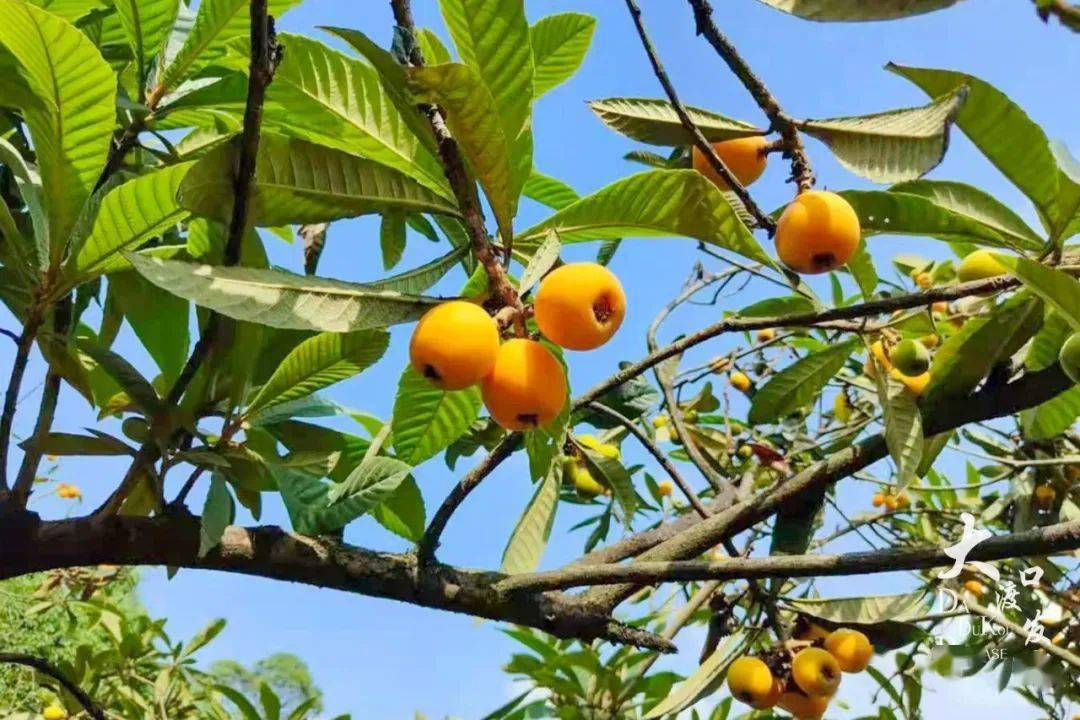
(801, 171)
(45, 667)
(271, 552)
(700, 141)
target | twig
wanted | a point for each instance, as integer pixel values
(1066, 13)
(801, 171)
(995, 616)
(1041, 541)
(45, 667)
(11, 396)
(700, 141)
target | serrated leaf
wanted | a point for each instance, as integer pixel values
(657, 203)
(492, 38)
(471, 115)
(426, 419)
(559, 45)
(129, 215)
(146, 23)
(138, 388)
(300, 182)
(1059, 289)
(71, 127)
(613, 474)
(392, 238)
(543, 259)
(1055, 416)
(218, 513)
(216, 24)
(421, 278)
(797, 385)
(891, 146)
(704, 681)
(374, 480)
(319, 362)
(977, 205)
(282, 299)
(1005, 134)
(33, 250)
(779, 307)
(896, 213)
(530, 535)
(58, 443)
(857, 10)
(159, 319)
(967, 356)
(403, 512)
(861, 267)
(549, 191)
(903, 426)
(656, 122)
(886, 620)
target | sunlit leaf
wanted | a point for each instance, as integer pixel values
(426, 419)
(530, 535)
(559, 44)
(656, 122)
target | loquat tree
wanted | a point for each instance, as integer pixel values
(149, 149)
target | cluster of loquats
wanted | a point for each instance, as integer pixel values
(456, 344)
(891, 500)
(803, 684)
(576, 470)
(818, 232)
(68, 492)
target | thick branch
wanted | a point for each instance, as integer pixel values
(700, 141)
(273, 553)
(45, 667)
(801, 171)
(1040, 541)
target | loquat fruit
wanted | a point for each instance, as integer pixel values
(744, 157)
(606, 449)
(665, 488)
(924, 280)
(841, 408)
(804, 707)
(816, 671)
(930, 341)
(54, 712)
(979, 265)
(940, 307)
(745, 452)
(910, 358)
(975, 587)
(1069, 357)
(750, 681)
(766, 334)
(851, 648)
(818, 232)
(68, 492)
(582, 480)
(580, 305)
(740, 381)
(527, 386)
(454, 345)
(878, 500)
(1045, 496)
(659, 421)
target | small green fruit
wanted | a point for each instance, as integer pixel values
(135, 428)
(1070, 357)
(583, 480)
(979, 265)
(910, 357)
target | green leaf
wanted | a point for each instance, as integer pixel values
(492, 38)
(33, 251)
(471, 114)
(1005, 134)
(797, 385)
(282, 299)
(543, 259)
(129, 215)
(217, 23)
(218, 513)
(138, 388)
(976, 205)
(1055, 416)
(896, 213)
(894, 145)
(968, 355)
(657, 203)
(71, 127)
(373, 481)
(403, 512)
(778, 307)
(857, 10)
(549, 191)
(392, 238)
(146, 23)
(559, 45)
(530, 535)
(656, 122)
(426, 419)
(319, 362)
(327, 97)
(703, 682)
(159, 319)
(884, 619)
(70, 10)
(861, 267)
(1059, 289)
(420, 279)
(903, 427)
(300, 182)
(612, 473)
(58, 443)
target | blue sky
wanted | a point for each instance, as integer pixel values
(384, 660)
